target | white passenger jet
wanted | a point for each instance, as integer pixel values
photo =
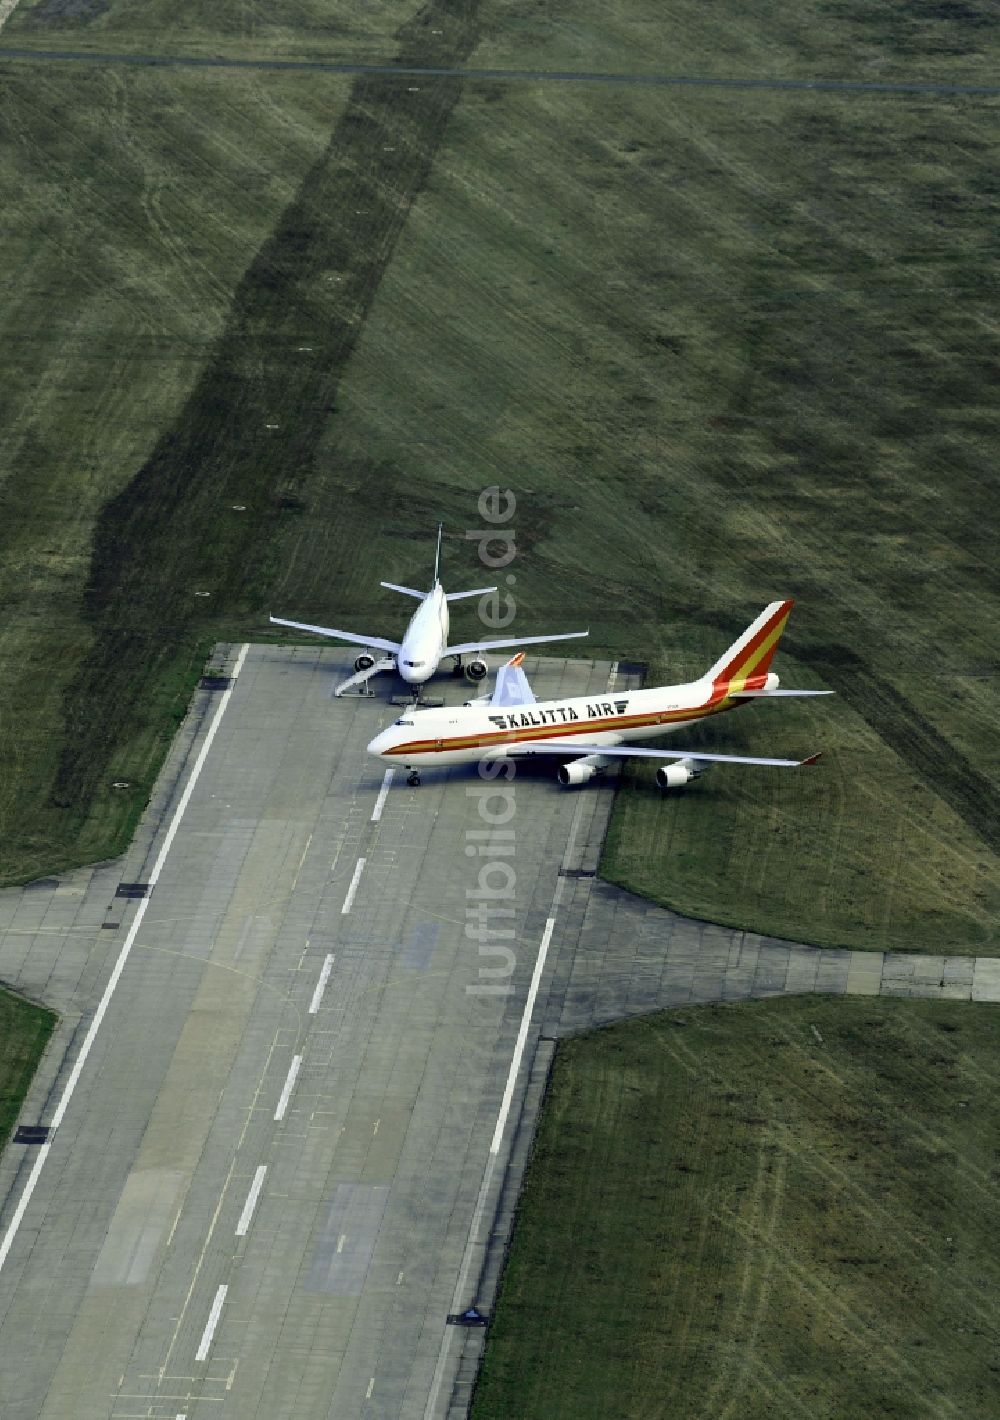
(591, 730)
(425, 640)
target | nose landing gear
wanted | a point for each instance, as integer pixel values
(413, 778)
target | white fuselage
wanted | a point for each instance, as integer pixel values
(465, 734)
(425, 638)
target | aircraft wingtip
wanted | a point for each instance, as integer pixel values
(812, 758)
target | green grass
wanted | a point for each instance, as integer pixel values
(24, 1033)
(725, 345)
(768, 1209)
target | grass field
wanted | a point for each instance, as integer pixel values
(784, 1208)
(725, 345)
(24, 1033)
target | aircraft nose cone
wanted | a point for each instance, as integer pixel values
(378, 745)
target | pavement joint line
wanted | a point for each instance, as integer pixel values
(119, 967)
(558, 76)
(289, 1085)
(349, 899)
(382, 794)
(242, 1227)
(324, 977)
(213, 1320)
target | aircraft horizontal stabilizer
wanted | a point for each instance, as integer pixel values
(407, 591)
(771, 694)
(476, 592)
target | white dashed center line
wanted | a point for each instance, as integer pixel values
(380, 801)
(286, 1093)
(213, 1320)
(251, 1203)
(324, 977)
(349, 899)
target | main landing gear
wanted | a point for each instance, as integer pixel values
(413, 778)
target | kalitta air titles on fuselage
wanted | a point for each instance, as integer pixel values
(463, 735)
(557, 715)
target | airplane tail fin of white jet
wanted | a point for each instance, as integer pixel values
(437, 558)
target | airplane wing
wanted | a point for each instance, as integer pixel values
(512, 686)
(468, 648)
(561, 747)
(377, 642)
(385, 663)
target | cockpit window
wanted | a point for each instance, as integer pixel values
(404, 722)
(414, 665)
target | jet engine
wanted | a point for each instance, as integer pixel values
(673, 776)
(364, 662)
(576, 773)
(476, 669)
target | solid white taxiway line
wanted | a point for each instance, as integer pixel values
(380, 801)
(258, 1183)
(324, 977)
(210, 1325)
(491, 1163)
(119, 966)
(293, 1071)
(522, 1035)
(349, 899)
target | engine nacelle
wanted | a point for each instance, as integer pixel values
(578, 773)
(675, 776)
(364, 662)
(476, 669)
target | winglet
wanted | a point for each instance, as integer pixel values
(812, 758)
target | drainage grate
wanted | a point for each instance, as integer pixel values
(577, 873)
(472, 1317)
(131, 890)
(215, 682)
(32, 1134)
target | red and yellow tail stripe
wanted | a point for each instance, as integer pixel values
(748, 668)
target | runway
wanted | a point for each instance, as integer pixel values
(291, 1097)
(283, 1145)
